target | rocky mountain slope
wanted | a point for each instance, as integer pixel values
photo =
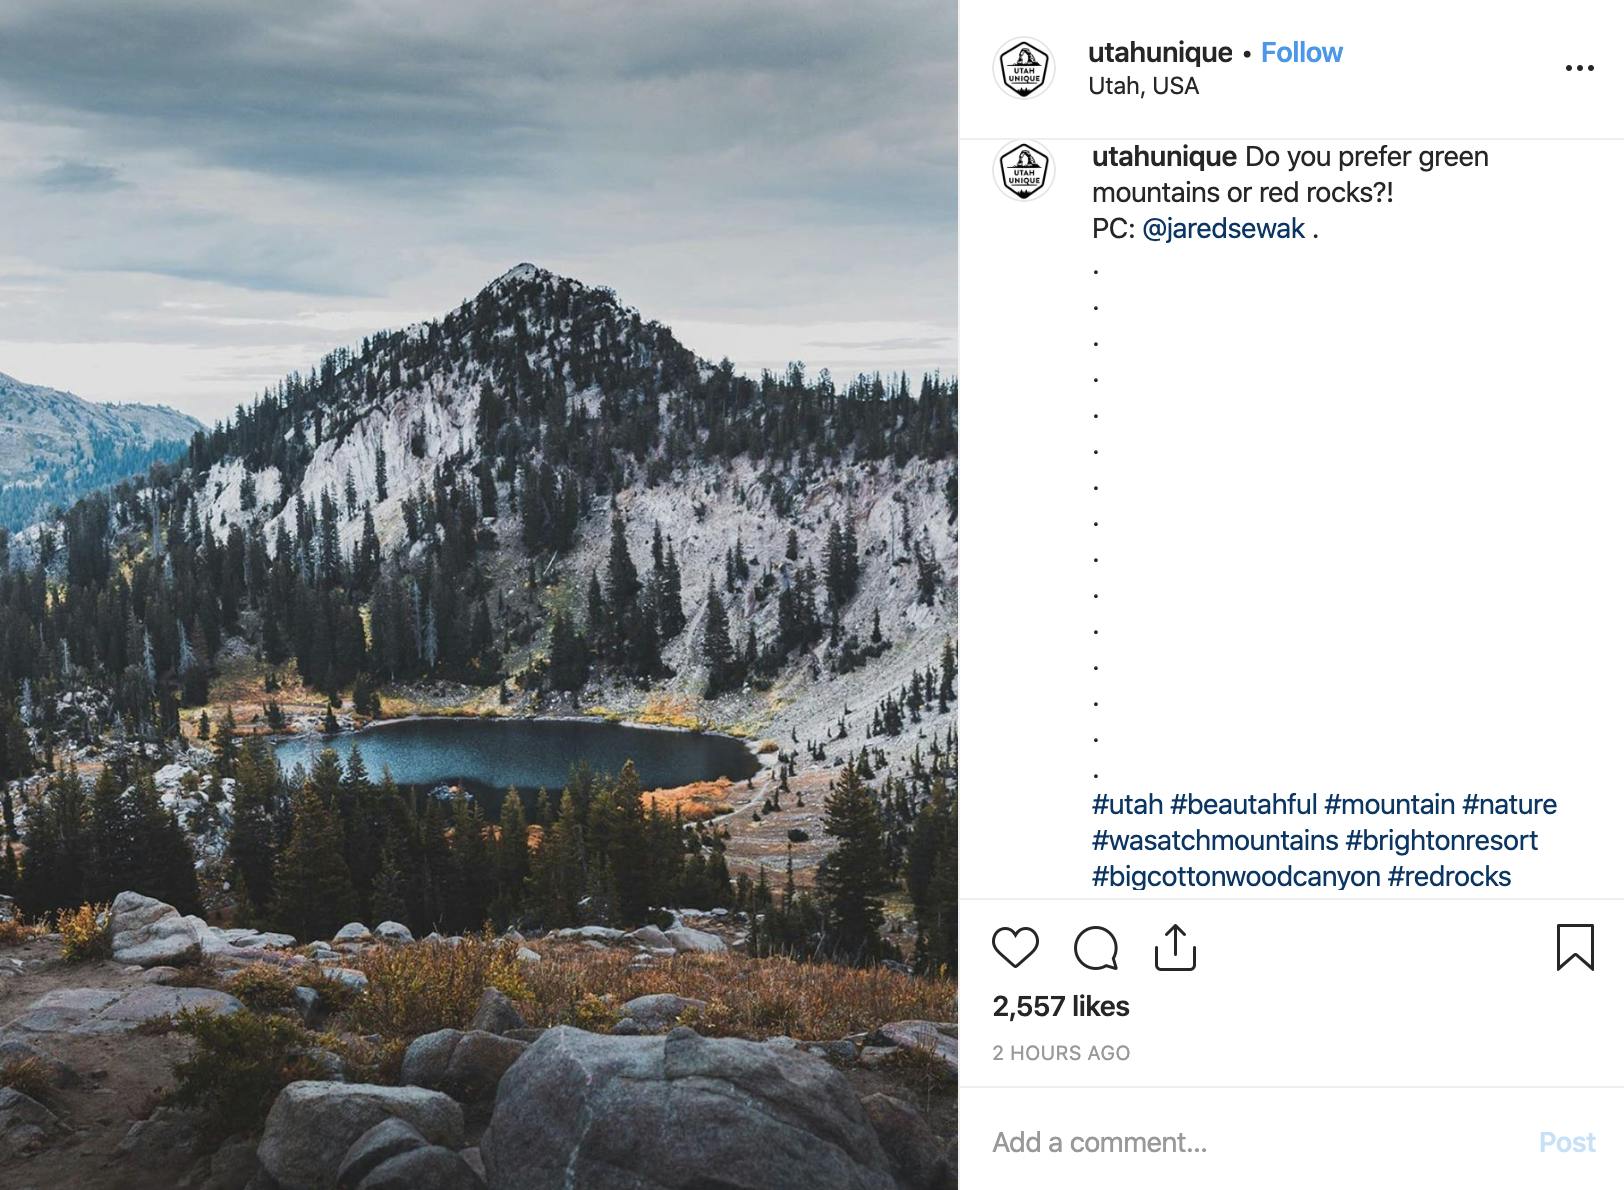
(540, 370)
(55, 446)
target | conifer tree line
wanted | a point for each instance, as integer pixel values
(89, 842)
(308, 854)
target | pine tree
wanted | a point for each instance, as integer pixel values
(225, 745)
(626, 852)
(313, 892)
(512, 859)
(621, 590)
(391, 890)
(840, 561)
(854, 875)
(166, 867)
(568, 662)
(56, 846)
(669, 580)
(471, 865)
(932, 879)
(253, 841)
(113, 840)
(716, 646)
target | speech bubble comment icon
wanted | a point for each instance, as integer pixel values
(1096, 949)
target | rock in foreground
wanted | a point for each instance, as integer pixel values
(467, 1066)
(148, 933)
(395, 1156)
(83, 1011)
(313, 1124)
(603, 1113)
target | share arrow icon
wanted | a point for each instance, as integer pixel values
(1175, 961)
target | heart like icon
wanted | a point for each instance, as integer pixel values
(1015, 946)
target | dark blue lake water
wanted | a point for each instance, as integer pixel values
(486, 756)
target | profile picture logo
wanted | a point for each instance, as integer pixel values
(1024, 169)
(1024, 67)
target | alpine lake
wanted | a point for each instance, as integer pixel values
(485, 757)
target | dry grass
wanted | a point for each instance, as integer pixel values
(754, 998)
(701, 799)
(14, 932)
(240, 684)
(672, 710)
(424, 986)
(263, 986)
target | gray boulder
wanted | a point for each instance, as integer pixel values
(325, 1064)
(659, 1010)
(496, 1013)
(395, 1156)
(84, 1011)
(307, 1003)
(651, 936)
(257, 941)
(377, 1145)
(231, 1167)
(686, 940)
(25, 1124)
(165, 1136)
(918, 1160)
(392, 931)
(466, 1066)
(152, 1001)
(919, 1035)
(587, 934)
(353, 932)
(313, 1124)
(63, 1009)
(567, 1112)
(148, 933)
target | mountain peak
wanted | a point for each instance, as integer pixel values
(524, 271)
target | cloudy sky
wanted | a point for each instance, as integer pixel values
(197, 196)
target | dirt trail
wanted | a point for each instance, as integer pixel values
(121, 1076)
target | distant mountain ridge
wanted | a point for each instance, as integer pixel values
(55, 446)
